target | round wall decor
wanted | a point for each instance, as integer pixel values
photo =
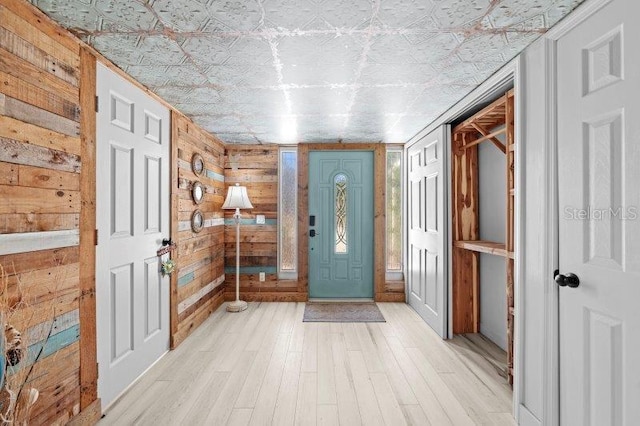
(197, 192)
(197, 164)
(197, 221)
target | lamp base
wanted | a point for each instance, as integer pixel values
(237, 306)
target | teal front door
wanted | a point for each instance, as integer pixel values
(340, 224)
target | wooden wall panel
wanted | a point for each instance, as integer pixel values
(42, 156)
(198, 282)
(47, 184)
(88, 331)
(256, 167)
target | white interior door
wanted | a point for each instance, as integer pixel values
(598, 66)
(427, 236)
(132, 180)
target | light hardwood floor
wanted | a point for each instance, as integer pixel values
(265, 366)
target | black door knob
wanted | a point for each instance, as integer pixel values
(570, 280)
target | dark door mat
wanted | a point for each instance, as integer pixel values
(342, 312)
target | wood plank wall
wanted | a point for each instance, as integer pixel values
(45, 146)
(47, 213)
(256, 167)
(40, 188)
(198, 283)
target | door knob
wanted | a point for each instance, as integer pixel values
(570, 280)
(166, 242)
(313, 233)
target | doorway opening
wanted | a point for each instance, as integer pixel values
(341, 232)
(132, 203)
(482, 233)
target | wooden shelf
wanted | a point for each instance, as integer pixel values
(482, 246)
(493, 121)
(491, 116)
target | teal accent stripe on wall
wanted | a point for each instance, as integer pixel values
(49, 346)
(251, 269)
(250, 222)
(182, 281)
(215, 176)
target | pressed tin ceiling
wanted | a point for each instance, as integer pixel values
(283, 71)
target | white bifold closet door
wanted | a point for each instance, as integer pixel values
(427, 283)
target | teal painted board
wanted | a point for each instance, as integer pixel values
(251, 269)
(251, 222)
(215, 176)
(186, 279)
(47, 347)
(341, 199)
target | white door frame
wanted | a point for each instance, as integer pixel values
(551, 368)
(497, 84)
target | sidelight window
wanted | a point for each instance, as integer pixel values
(288, 214)
(394, 213)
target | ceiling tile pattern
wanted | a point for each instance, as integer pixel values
(286, 71)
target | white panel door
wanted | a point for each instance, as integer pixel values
(427, 220)
(599, 199)
(132, 179)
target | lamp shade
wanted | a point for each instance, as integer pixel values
(237, 198)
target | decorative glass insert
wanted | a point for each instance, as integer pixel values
(288, 215)
(394, 211)
(341, 213)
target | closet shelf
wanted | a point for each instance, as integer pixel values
(481, 246)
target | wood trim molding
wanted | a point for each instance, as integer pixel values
(352, 146)
(174, 203)
(303, 214)
(88, 345)
(379, 221)
(89, 416)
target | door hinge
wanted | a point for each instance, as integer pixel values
(97, 107)
(96, 237)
